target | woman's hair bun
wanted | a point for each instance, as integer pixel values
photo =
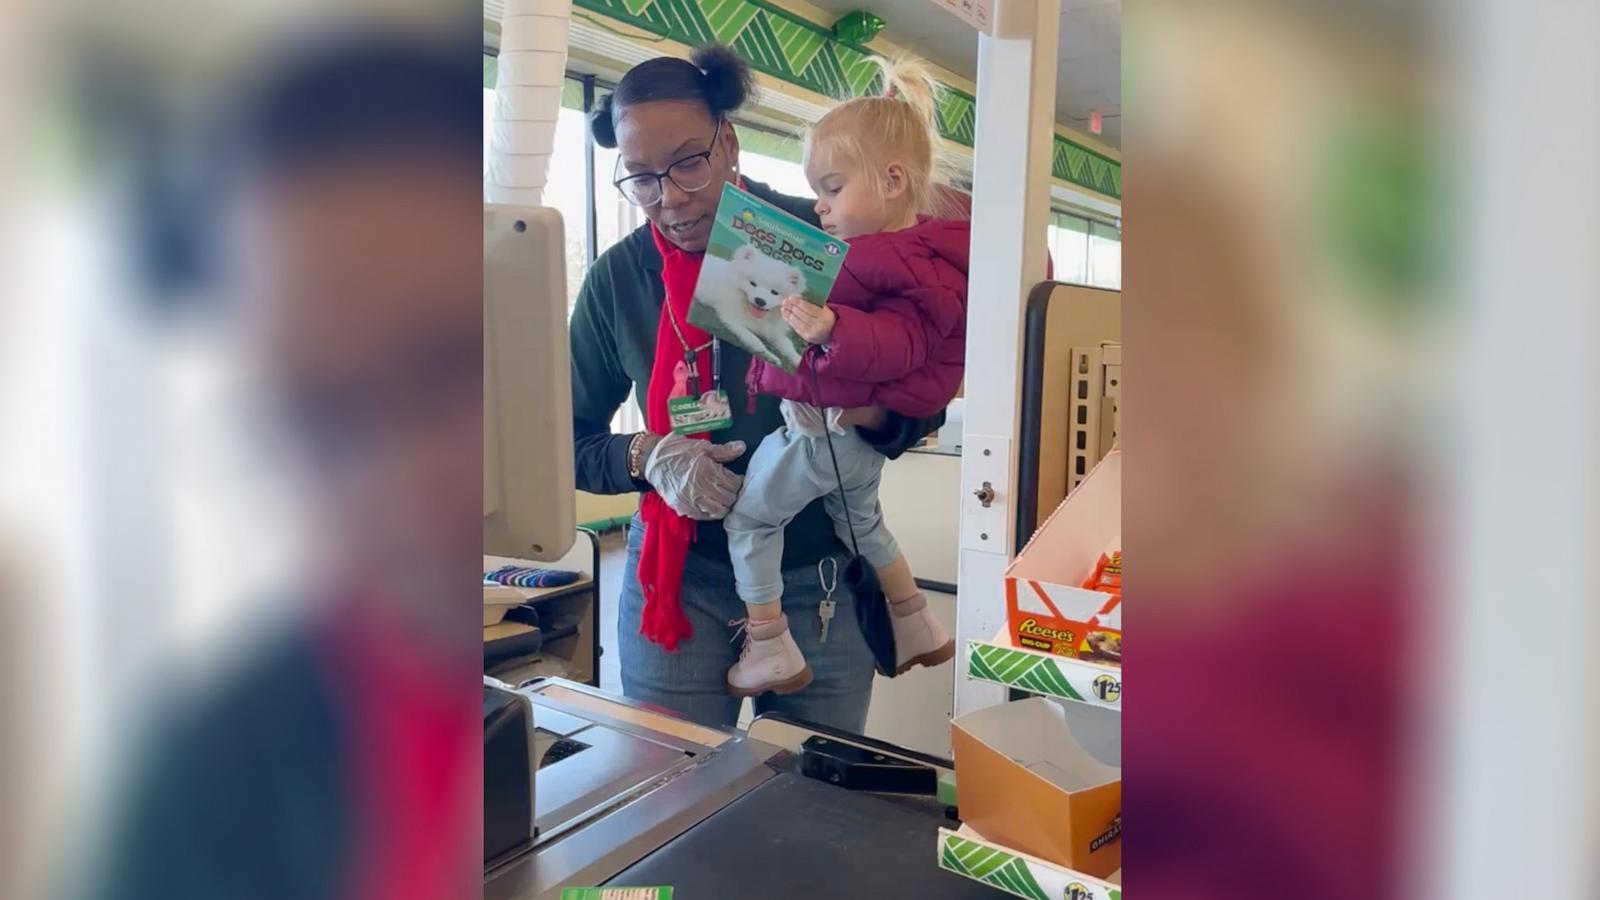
(600, 124)
(713, 75)
(729, 83)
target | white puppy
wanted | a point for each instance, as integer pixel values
(745, 292)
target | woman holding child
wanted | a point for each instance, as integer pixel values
(883, 358)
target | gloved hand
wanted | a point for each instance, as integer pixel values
(692, 476)
(803, 418)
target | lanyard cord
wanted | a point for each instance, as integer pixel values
(828, 434)
(692, 354)
(672, 319)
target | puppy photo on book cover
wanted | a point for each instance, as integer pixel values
(757, 256)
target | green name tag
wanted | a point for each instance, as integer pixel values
(693, 415)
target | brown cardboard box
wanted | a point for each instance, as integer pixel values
(1026, 782)
(1047, 609)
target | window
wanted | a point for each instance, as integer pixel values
(772, 159)
(614, 216)
(1085, 252)
(566, 181)
(1069, 248)
(1105, 256)
(781, 175)
(566, 189)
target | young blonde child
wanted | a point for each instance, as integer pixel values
(891, 338)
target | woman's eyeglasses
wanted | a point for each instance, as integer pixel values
(692, 173)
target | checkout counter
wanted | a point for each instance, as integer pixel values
(629, 796)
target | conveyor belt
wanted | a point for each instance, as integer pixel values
(794, 837)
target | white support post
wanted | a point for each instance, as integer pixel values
(1011, 202)
(1517, 811)
(527, 99)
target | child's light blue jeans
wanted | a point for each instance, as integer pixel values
(789, 470)
(694, 679)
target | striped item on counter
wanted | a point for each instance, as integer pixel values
(529, 577)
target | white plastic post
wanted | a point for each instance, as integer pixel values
(1011, 203)
(1517, 808)
(527, 99)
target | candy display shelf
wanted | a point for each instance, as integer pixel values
(967, 854)
(1000, 662)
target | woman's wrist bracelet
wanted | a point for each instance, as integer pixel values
(636, 456)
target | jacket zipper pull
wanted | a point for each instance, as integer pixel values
(808, 359)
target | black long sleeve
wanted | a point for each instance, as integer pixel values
(901, 433)
(601, 458)
(599, 388)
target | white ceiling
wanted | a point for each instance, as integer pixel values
(1088, 73)
(1089, 69)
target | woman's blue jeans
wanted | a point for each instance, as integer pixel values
(693, 680)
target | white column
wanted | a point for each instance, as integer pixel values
(532, 61)
(1518, 813)
(1011, 203)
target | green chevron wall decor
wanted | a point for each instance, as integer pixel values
(776, 42)
(1081, 166)
(786, 46)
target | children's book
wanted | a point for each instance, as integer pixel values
(758, 255)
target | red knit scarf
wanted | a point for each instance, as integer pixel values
(667, 534)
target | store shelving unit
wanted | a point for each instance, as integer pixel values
(967, 854)
(1000, 466)
(999, 661)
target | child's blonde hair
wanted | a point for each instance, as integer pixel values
(896, 126)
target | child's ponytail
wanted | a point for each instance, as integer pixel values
(909, 80)
(897, 125)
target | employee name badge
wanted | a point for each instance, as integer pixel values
(710, 411)
(693, 412)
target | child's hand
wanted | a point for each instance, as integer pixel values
(813, 323)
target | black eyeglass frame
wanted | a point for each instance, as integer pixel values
(667, 172)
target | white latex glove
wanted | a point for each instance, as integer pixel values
(803, 418)
(693, 477)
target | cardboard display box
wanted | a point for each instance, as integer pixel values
(1045, 607)
(1027, 783)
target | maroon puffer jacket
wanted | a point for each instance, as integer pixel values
(900, 339)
